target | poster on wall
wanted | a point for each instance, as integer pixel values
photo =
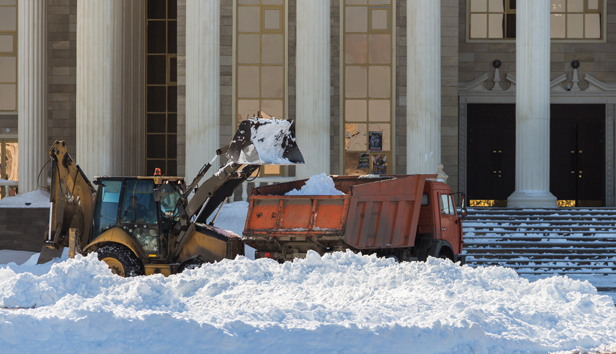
(375, 141)
(364, 161)
(379, 164)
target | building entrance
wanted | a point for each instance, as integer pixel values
(577, 155)
(491, 154)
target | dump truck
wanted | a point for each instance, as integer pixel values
(406, 218)
(159, 224)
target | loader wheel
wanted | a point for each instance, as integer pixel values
(192, 264)
(120, 260)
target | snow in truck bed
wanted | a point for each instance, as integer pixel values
(342, 303)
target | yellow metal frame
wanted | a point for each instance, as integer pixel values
(115, 235)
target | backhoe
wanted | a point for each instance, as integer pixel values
(158, 224)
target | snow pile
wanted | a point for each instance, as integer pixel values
(317, 185)
(35, 199)
(342, 302)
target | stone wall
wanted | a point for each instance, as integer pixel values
(23, 229)
(62, 77)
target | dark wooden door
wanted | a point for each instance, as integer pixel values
(491, 153)
(577, 154)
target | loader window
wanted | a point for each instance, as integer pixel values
(138, 204)
(106, 210)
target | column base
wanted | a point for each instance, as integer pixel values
(531, 199)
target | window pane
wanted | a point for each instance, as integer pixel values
(273, 107)
(380, 82)
(172, 146)
(558, 6)
(380, 49)
(157, 99)
(6, 43)
(497, 5)
(8, 69)
(271, 19)
(355, 137)
(379, 19)
(271, 170)
(173, 69)
(172, 37)
(8, 19)
(157, 146)
(444, 205)
(356, 19)
(510, 26)
(355, 48)
(249, 19)
(172, 123)
(356, 81)
(157, 69)
(8, 97)
(496, 25)
(11, 160)
(156, 123)
(385, 129)
(248, 48)
(156, 36)
(479, 26)
(479, 5)
(379, 110)
(172, 168)
(248, 81)
(575, 26)
(247, 109)
(355, 110)
(173, 10)
(593, 26)
(557, 26)
(156, 9)
(271, 2)
(272, 81)
(172, 99)
(575, 5)
(271, 49)
(593, 4)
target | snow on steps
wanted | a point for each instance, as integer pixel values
(542, 241)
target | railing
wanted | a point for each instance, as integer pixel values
(4, 192)
(263, 181)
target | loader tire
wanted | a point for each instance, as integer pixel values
(191, 264)
(120, 260)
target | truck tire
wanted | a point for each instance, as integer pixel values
(121, 260)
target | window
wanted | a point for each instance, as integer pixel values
(260, 62)
(8, 55)
(570, 19)
(367, 79)
(447, 206)
(161, 99)
(9, 161)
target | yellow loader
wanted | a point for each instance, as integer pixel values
(158, 224)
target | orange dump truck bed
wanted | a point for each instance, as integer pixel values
(375, 215)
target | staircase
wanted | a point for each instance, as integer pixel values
(576, 242)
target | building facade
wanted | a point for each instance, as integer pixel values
(511, 101)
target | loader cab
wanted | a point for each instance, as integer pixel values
(143, 207)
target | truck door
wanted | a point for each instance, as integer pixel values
(449, 227)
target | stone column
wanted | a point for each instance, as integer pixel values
(532, 167)
(110, 80)
(313, 86)
(32, 95)
(423, 93)
(202, 84)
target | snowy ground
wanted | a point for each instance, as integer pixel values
(342, 303)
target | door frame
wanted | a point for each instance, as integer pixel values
(610, 109)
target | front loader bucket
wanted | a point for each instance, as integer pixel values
(261, 141)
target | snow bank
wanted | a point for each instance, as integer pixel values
(19, 257)
(342, 302)
(317, 185)
(35, 199)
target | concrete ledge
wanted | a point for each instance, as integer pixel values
(23, 229)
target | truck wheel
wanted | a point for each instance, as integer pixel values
(120, 260)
